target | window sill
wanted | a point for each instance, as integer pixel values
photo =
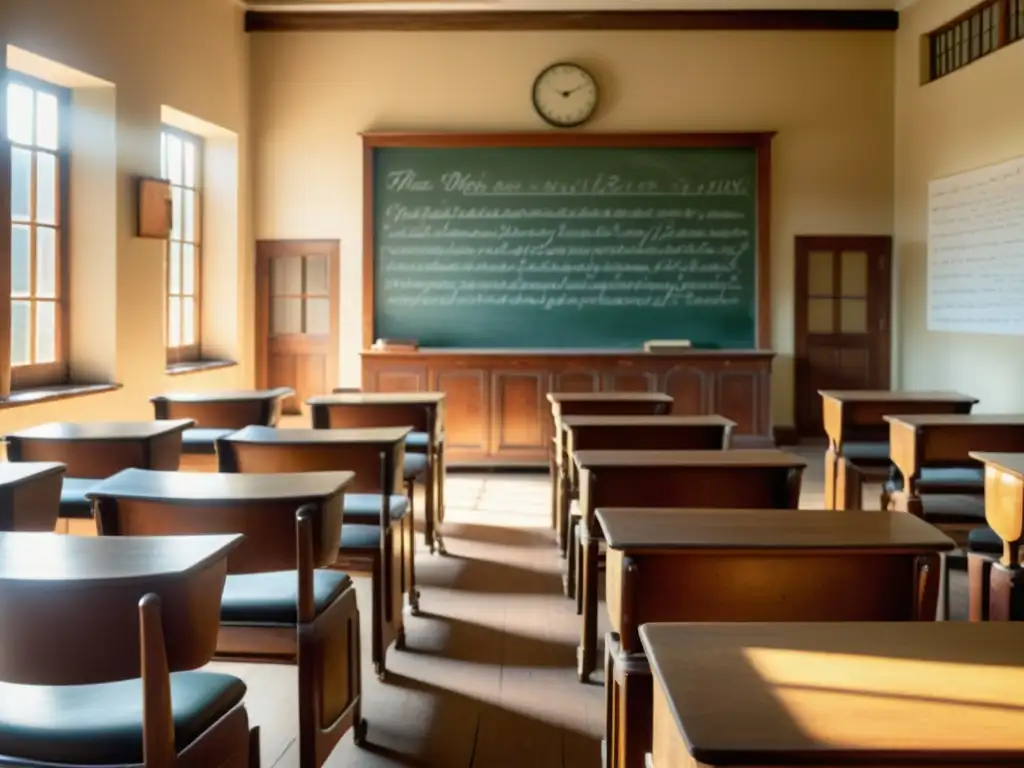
(37, 395)
(197, 366)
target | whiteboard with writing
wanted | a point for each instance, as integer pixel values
(976, 251)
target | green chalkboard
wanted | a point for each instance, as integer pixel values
(565, 246)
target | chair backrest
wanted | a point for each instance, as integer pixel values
(223, 410)
(99, 458)
(357, 415)
(648, 437)
(261, 507)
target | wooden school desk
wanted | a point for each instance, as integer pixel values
(422, 412)
(30, 495)
(637, 432)
(858, 437)
(997, 587)
(827, 694)
(749, 565)
(593, 404)
(753, 479)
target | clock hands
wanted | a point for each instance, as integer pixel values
(567, 94)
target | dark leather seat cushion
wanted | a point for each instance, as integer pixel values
(869, 453)
(420, 440)
(415, 466)
(202, 441)
(949, 509)
(364, 508)
(72, 497)
(102, 724)
(942, 480)
(354, 536)
(985, 541)
(272, 598)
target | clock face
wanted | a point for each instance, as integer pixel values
(565, 95)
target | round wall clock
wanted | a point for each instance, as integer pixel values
(565, 95)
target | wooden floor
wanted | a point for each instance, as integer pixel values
(488, 680)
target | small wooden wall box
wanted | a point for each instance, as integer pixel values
(154, 208)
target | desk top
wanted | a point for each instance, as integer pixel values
(1013, 463)
(203, 487)
(827, 694)
(608, 397)
(56, 557)
(573, 422)
(361, 435)
(699, 529)
(378, 398)
(104, 430)
(16, 472)
(226, 396)
(957, 419)
(769, 457)
(887, 396)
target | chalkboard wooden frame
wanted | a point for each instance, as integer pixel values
(759, 141)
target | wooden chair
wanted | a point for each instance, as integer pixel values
(277, 606)
(91, 636)
(218, 414)
(377, 536)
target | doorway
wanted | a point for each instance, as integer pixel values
(297, 324)
(843, 302)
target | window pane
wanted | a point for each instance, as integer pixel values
(163, 155)
(19, 113)
(47, 130)
(21, 332)
(819, 315)
(174, 322)
(190, 164)
(853, 315)
(21, 268)
(176, 213)
(188, 321)
(188, 270)
(174, 268)
(318, 317)
(819, 273)
(854, 273)
(46, 262)
(46, 331)
(286, 316)
(287, 277)
(21, 184)
(173, 158)
(316, 275)
(46, 188)
(188, 219)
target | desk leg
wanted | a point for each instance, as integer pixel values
(558, 486)
(979, 574)
(430, 498)
(849, 483)
(1006, 593)
(830, 478)
(439, 472)
(553, 473)
(586, 654)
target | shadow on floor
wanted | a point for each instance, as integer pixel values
(489, 577)
(490, 534)
(479, 644)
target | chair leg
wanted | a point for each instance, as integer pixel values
(577, 544)
(570, 568)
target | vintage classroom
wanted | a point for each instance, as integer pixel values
(479, 384)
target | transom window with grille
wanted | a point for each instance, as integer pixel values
(985, 28)
(181, 163)
(35, 130)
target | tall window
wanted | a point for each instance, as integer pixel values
(181, 163)
(35, 112)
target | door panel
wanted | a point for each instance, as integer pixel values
(297, 321)
(843, 295)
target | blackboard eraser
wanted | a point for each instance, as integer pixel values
(396, 345)
(666, 345)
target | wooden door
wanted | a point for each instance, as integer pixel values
(843, 294)
(297, 317)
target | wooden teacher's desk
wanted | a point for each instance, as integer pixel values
(997, 589)
(750, 565)
(749, 479)
(422, 412)
(30, 495)
(498, 411)
(828, 694)
(858, 437)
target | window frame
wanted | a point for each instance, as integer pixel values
(57, 372)
(946, 52)
(186, 353)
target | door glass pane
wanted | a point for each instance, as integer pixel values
(287, 277)
(318, 320)
(316, 275)
(46, 121)
(286, 316)
(188, 269)
(21, 269)
(174, 322)
(46, 262)
(853, 315)
(819, 273)
(46, 188)
(21, 184)
(174, 268)
(819, 316)
(188, 321)
(854, 273)
(20, 103)
(21, 332)
(46, 332)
